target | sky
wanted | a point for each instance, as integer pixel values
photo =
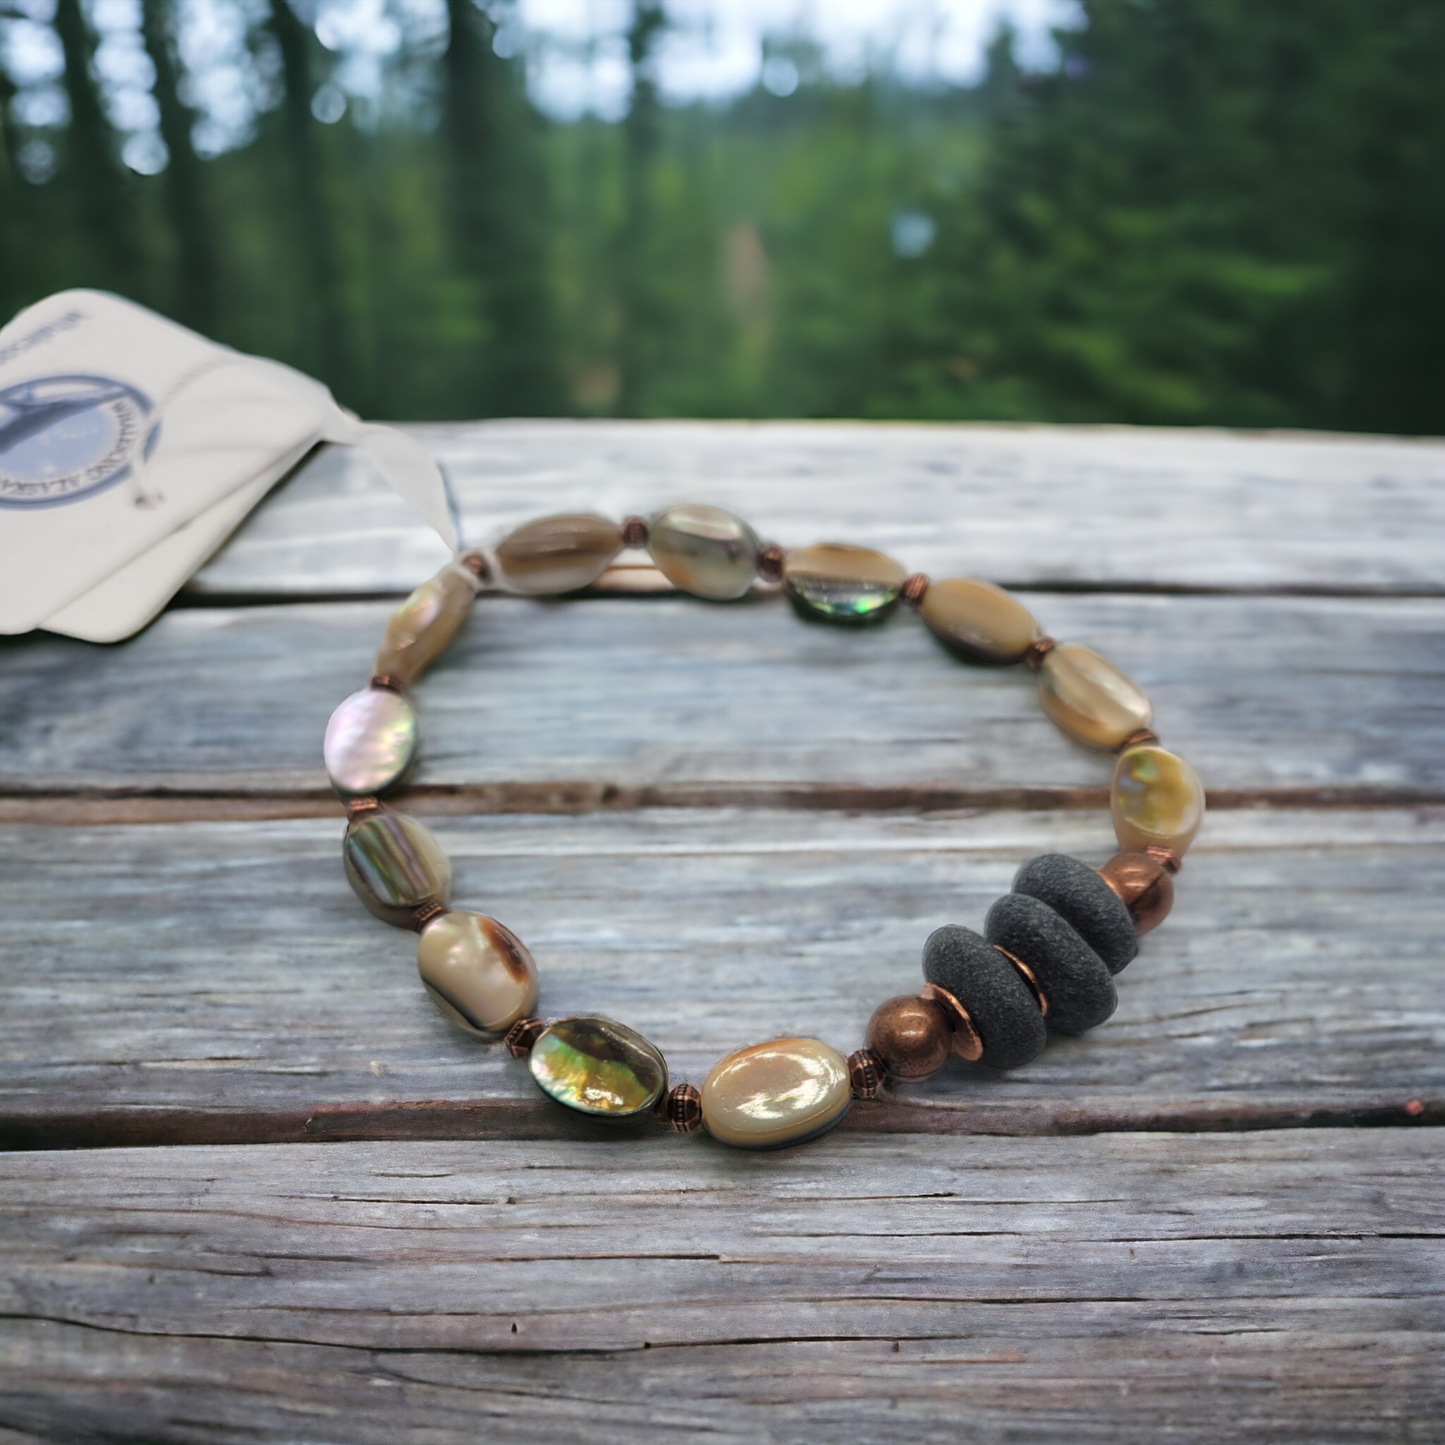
(574, 50)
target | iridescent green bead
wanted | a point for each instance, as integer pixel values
(599, 1068)
(705, 551)
(841, 583)
(394, 865)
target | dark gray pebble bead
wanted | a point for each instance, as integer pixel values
(1080, 897)
(1071, 976)
(998, 1001)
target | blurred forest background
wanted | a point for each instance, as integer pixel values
(1207, 211)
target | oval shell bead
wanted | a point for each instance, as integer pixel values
(371, 743)
(418, 632)
(477, 972)
(1157, 800)
(705, 551)
(558, 554)
(978, 619)
(394, 866)
(842, 584)
(599, 1068)
(1089, 698)
(770, 1095)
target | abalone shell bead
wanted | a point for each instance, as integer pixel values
(842, 584)
(1069, 974)
(911, 1036)
(1157, 800)
(599, 1068)
(978, 619)
(999, 1003)
(705, 551)
(1089, 698)
(558, 554)
(478, 972)
(418, 632)
(770, 1095)
(1083, 899)
(371, 743)
(394, 865)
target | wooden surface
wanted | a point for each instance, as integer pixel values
(259, 1190)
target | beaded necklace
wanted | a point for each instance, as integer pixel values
(1049, 950)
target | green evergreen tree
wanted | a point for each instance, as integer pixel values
(194, 236)
(496, 208)
(96, 183)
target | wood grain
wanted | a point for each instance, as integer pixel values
(1037, 506)
(1270, 1287)
(212, 982)
(611, 702)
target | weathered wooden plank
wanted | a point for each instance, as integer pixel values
(212, 982)
(618, 702)
(1279, 1287)
(1147, 507)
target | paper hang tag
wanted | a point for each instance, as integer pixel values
(130, 448)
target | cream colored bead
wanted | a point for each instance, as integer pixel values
(420, 629)
(1089, 698)
(1157, 800)
(777, 1093)
(478, 972)
(558, 554)
(705, 551)
(978, 619)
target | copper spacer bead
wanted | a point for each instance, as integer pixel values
(423, 914)
(390, 682)
(770, 562)
(911, 1036)
(913, 589)
(1166, 858)
(684, 1109)
(522, 1035)
(476, 564)
(966, 1042)
(635, 532)
(1143, 735)
(1027, 974)
(360, 807)
(865, 1072)
(1039, 649)
(1144, 885)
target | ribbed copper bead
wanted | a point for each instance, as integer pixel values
(865, 1074)
(684, 1109)
(1142, 735)
(389, 682)
(522, 1035)
(913, 588)
(1144, 884)
(911, 1036)
(634, 532)
(423, 915)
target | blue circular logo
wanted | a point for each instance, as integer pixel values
(63, 438)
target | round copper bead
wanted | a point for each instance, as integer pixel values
(684, 1109)
(1145, 885)
(522, 1035)
(1039, 649)
(771, 561)
(865, 1074)
(911, 1036)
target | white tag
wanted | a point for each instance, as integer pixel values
(131, 447)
